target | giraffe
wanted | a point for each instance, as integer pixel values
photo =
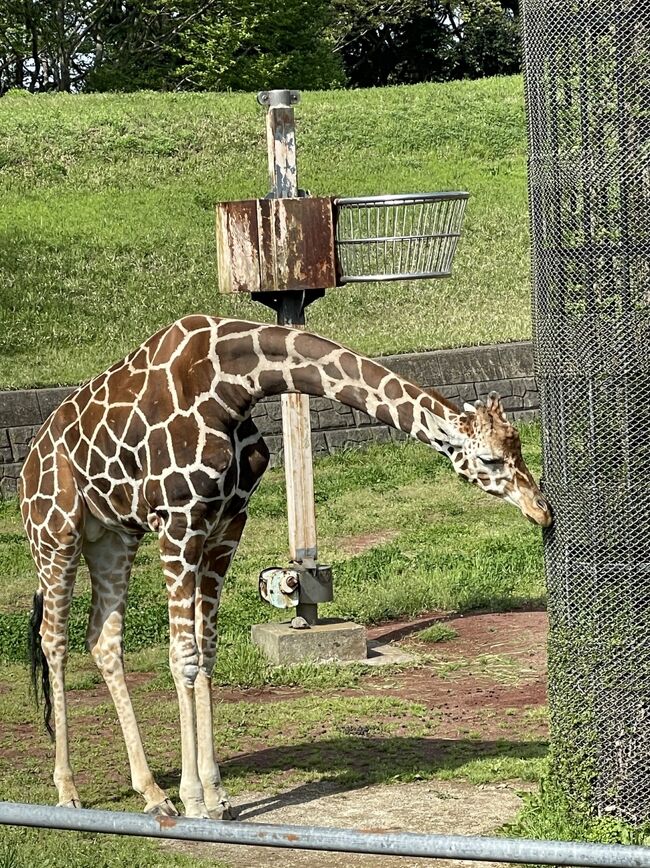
(163, 441)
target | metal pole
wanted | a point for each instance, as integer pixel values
(323, 838)
(296, 424)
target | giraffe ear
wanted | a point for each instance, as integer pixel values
(495, 405)
(469, 408)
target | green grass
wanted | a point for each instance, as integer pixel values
(436, 633)
(26, 848)
(453, 548)
(548, 814)
(106, 230)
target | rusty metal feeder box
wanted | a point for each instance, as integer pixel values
(309, 243)
(275, 245)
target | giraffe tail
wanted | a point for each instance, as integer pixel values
(40, 671)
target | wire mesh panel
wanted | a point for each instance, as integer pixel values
(587, 84)
(397, 237)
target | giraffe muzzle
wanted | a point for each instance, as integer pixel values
(538, 512)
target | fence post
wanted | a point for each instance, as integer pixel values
(290, 307)
(586, 85)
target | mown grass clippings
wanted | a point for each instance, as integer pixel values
(436, 633)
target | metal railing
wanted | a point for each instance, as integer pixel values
(368, 841)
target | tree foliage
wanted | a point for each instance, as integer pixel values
(253, 45)
(407, 41)
(74, 45)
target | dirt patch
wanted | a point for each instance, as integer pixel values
(498, 632)
(427, 807)
(476, 713)
(356, 545)
(490, 678)
(484, 692)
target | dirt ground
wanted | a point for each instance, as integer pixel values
(486, 686)
(438, 808)
(490, 680)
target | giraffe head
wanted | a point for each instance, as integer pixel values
(488, 453)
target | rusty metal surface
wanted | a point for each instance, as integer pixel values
(237, 246)
(377, 841)
(296, 243)
(271, 245)
(279, 587)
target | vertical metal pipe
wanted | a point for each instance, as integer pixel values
(296, 423)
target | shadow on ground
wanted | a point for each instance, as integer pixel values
(356, 761)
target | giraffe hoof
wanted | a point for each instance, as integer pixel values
(162, 809)
(73, 803)
(225, 811)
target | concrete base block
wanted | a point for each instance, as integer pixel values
(331, 639)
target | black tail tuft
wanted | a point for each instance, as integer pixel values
(38, 661)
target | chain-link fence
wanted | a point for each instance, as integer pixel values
(587, 82)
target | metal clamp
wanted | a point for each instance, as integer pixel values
(278, 98)
(315, 585)
(279, 587)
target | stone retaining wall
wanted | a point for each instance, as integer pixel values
(461, 375)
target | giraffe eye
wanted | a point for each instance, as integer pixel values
(494, 462)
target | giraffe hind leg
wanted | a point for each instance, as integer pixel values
(57, 582)
(109, 557)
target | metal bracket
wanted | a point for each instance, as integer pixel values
(278, 98)
(302, 194)
(298, 585)
(289, 305)
(315, 583)
(279, 587)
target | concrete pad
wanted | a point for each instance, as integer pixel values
(384, 654)
(341, 641)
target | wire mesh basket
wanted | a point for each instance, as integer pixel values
(397, 237)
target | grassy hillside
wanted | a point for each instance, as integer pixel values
(106, 224)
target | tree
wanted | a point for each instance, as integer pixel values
(49, 44)
(141, 44)
(261, 44)
(405, 41)
(74, 45)
(489, 40)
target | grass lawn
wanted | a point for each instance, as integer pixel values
(106, 225)
(437, 544)
(446, 546)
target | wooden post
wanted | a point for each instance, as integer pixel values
(296, 425)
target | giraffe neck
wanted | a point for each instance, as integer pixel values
(271, 360)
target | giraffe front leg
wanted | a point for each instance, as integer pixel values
(215, 796)
(215, 564)
(181, 550)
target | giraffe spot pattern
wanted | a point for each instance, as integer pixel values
(164, 440)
